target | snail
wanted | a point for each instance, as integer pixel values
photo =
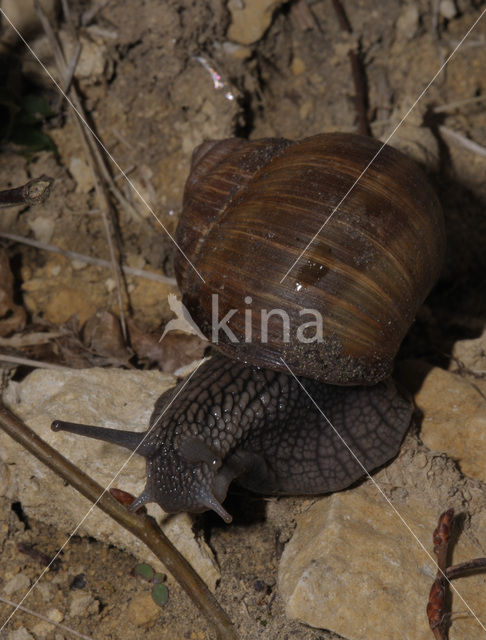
(289, 406)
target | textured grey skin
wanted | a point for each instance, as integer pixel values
(259, 426)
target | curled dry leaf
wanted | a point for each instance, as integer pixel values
(174, 351)
(12, 317)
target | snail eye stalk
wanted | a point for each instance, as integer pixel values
(131, 440)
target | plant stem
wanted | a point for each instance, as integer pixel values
(33, 192)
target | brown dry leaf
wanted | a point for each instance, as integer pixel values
(12, 317)
(176, 349)
(102, 335)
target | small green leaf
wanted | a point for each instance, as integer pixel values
(145, 571)
(158, 578)
(32, 138)
(160, 594)
(37, 106)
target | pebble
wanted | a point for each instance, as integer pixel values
(417, 143)
(142, 609)
(92, 60)
(447, 9)
(471, 354)
(20, 582)
(250, 19)
(47, 590)
(82, 173)
(20, 634)
(43, 628)
(408, 22)
(43, 228)
(83, 604)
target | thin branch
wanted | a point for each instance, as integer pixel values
(358, 71)
(470, 145)
(38, 364)
(35, 191)
(143, 527)
(99, 262)
(462, 569)
(452, 106)
(71, 68)
(19, 341)
(46, 619)
(95, 161)
(89, 15)
(438, 604)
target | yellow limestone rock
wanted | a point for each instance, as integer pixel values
(354, 568)
(454, 415)
(250, 19)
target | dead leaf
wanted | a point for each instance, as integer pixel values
(102, 335)
(174, 351)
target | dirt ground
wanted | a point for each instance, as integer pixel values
(151, 97)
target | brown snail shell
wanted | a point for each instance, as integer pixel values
(251, 208)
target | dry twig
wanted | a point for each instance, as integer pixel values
(19, 341)
(437, 606)
(470, 145)
(95, 161)
(99, 262)
(28, 362)
(358, 71)
(457, 104)
(58, 625)
(35, 191)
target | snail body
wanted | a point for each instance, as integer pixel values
(250, 209)
(259, 426)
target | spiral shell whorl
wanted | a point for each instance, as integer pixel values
(249, 215)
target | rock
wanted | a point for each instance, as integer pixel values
(82, 173)
(65, 303)
(362, 567)
(93, 57)
(47, 590)
(447, 9)
(55, 615)
(250, 19)
(83, 604)
(471, 353)
(195, 550)
(417, 143)
(107, 397)
(454, 416)
(20, 634)
(19, 583)
(41, 629)
(56, 291)
(353, 567)
(297, 66)
(238, 51)
(142, 609)
(43, 228)
(408, 22)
